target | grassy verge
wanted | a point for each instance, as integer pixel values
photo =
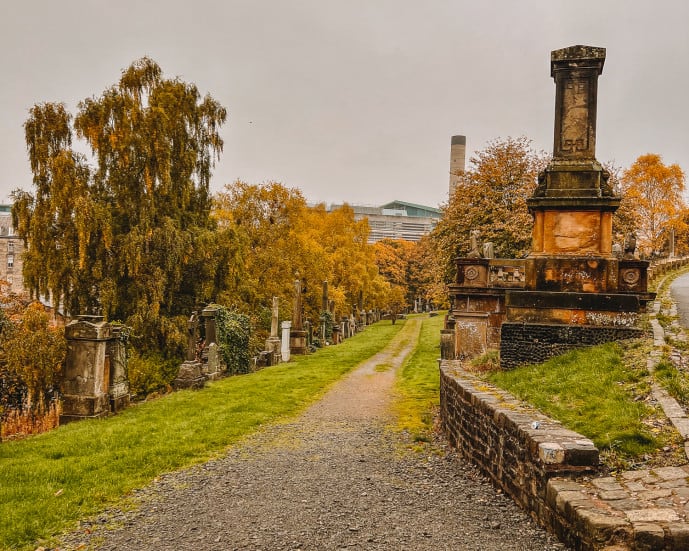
(49, 481)
(602, 393)
(418, 383)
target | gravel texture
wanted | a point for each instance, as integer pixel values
(335, 477)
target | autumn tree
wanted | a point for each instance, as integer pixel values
(491, 197)
(127, 231)
(652, 193)
(282, 238)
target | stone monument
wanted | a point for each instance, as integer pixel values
(572, 290)
(190, 374)
(86, 373)
(273, 342)
(297, 334)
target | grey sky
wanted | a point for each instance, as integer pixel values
(357, 100)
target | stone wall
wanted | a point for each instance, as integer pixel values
(519, 450)
(522, 344)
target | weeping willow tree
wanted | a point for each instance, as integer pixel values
(127, 232)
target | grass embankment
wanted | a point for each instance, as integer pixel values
(600, 392)
(418, 383)
(49, 481)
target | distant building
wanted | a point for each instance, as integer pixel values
(11, 250)
(396, 220)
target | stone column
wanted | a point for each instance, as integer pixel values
(297, 333)
(212, 368)
(286, 325)
(86, 375)
(273, 342)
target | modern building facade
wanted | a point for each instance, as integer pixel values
(396, 220)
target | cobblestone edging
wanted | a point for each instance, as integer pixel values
(552, 472)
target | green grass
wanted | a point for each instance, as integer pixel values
(590, 391)
(418, 383)
(671, 379)
(50, 481)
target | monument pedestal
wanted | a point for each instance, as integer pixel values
(273, 350)
(189, 376)
(297, 342)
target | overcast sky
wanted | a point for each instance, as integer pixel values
(356, 100)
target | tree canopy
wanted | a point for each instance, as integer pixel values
(491, 197)
(652, 198)
(118, 232)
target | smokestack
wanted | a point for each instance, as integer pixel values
(457, 159)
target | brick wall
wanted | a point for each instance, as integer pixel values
(529, 343)
(518, 449)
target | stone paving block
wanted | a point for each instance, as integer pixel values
(648, 537)
(671, 473)
(682, 425)
(626, 504)
(600, 527)
(607, 484)
(612, 495)
(679, 535)
(551, 453)
(654, 494)
(652, 515)
(635, 475)
(635, 487)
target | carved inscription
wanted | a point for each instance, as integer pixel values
(575, 109)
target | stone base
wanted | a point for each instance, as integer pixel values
(273, 345)
(118, 403)
(189, 376)
(84, 407)
(297, 342)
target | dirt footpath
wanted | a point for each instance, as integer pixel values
(333, 478)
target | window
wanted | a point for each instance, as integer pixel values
(10, 246)
(10, 261)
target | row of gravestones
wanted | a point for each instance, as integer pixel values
(94, 380)
(299, 336)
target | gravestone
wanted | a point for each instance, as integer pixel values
(297, 333)
(273, 342)
(85, 376)
(190, 374)
(285, 349)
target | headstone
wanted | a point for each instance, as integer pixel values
(190, 374)
(86, 374)
(285, 350)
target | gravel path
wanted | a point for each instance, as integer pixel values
(332, 478)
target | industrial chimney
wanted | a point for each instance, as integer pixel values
(457, 159)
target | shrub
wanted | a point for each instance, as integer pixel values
(233, 334)
(150, 373)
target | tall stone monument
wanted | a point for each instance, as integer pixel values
(297, 336)
(273, 342)
(571, 290)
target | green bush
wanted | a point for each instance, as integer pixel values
(233, 334)
(150, 373)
